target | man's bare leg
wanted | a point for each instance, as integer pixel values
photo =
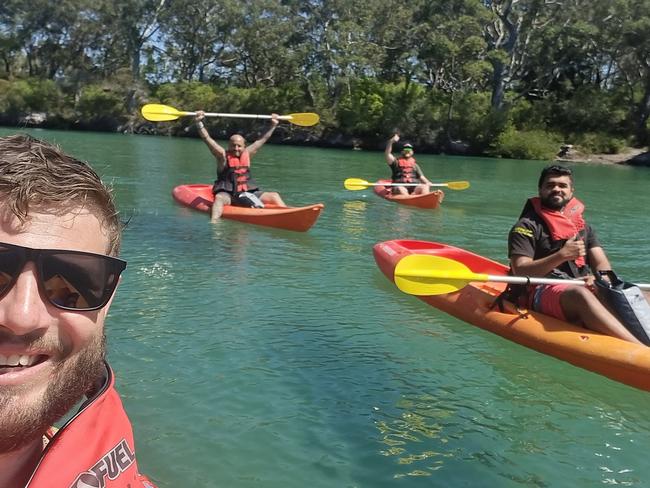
(581, 305)
(220, 199)
(272, 198)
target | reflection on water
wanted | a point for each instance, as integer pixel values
(353, 225)
(421, 418)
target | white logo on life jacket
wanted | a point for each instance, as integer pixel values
(112, 464)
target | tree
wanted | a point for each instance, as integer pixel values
(198, 38)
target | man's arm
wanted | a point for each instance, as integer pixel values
(253, 148)
(390, 159)
(423, 179)
(598, 259)
(218, 151)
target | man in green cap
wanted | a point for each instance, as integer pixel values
(405, 170)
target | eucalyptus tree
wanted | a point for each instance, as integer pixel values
(128, 25)
(198, 38)
(46, 39)
(511, 34)
(634, 61)
(348, 49)
(10, 42)
(452, 54)
(265, 48)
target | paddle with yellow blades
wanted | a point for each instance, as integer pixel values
(156, 112)
(359, 184)
(424, 274)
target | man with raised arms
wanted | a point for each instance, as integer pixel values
(234, 184)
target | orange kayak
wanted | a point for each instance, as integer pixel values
(299, 219)
(609, 356)
(428, 200)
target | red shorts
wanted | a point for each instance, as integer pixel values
(546, 299)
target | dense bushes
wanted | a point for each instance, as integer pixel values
(366, 110)
(100, 108)
(592, 142)
(22, 97)
(532, 144)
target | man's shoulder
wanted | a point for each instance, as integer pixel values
(529, 219)
(527, 225)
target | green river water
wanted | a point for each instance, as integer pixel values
(253, 357)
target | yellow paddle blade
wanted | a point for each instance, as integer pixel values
(355, 184)
(458, 185)
(160, 113)
(424, 274)
(306, 119)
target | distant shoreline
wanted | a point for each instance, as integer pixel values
(641, 156)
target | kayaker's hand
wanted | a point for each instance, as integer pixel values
(274, 119)
(395, 138)
(573, 248)
(589, 281)
(200, 115)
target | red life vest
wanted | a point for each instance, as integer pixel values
(404, 170)
(94, 448)
(239, 168)
(562, 225)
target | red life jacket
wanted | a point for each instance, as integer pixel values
(94, 448)
(404, 170)
(239, 169)
(562, 225)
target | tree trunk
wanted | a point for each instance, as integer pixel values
(643, 113)
(498, 85)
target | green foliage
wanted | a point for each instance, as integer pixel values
(20, 97)
(376, 110)
(100, 107)
(591, 110)
(187, 96)
(533, 144)
(528, 115)
(487, 74)
(362, 110)
(598, 142)
(473, 121)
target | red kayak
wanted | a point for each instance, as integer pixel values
(609, 356)
(299, 219)
(427, 200)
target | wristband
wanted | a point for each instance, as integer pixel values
(199, 125)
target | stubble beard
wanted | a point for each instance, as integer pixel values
(549, 202)
(73, 377)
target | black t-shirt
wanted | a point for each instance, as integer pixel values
(530, 237)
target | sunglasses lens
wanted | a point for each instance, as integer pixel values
(11, 264)
(79, 281)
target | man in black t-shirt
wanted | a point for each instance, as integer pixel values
(552, 239)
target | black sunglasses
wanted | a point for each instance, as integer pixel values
(71, 280)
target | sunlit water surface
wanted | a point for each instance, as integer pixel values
(253, 357)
